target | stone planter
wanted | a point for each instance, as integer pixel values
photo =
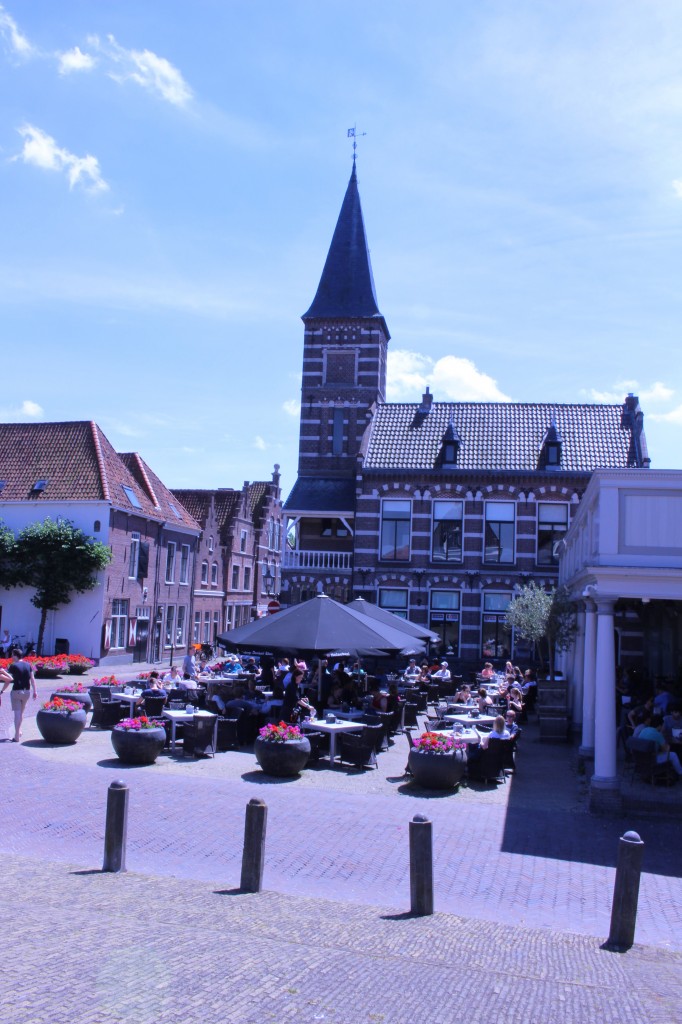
(78, 670)
(55, 727)
(83, 698)
(437, 771)
(283, 759)
(47, 673)
(138, 746)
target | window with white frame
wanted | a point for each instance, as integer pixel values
(216, 625)
(446, 545)
(196, 633)
(228, 617)
(210, 543)
(184, 563)
(242, 540)
(134, 557)
(235, 577)
(170, 562)
(214, 574)
(552, 527)
(444, 617)
(119, 622)
(170, 626)
(207, 628)
(500, 532)
(247, 577)
(204, 573)
(496, 636)
(394, 600)
(180, 626)
(395, 530)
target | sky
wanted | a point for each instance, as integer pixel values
(171, 174)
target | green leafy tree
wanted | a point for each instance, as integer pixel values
(544, 615)
(57, 560)
(8, 573)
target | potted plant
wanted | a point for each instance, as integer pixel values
(138, 740)
(75, 691)
(48, 668)
(437, 760)
(61, 721)
(281, 749)
(78, 664)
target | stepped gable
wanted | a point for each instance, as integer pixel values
(496, 436)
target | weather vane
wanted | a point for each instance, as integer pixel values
(354, 134)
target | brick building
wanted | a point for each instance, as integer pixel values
(143, 605)
(435, 510)
(238, 561)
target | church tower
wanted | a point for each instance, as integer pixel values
(344, 377)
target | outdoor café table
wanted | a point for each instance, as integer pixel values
(185, 716)
(467, 720)
(469, 736)
(350, 716)
(333, 728)
(128, 698)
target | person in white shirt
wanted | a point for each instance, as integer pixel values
(412, 671)
(443, 673)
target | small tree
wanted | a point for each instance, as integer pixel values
(538, 615)
(57, 559)
(8, 575)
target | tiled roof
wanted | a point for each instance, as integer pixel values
(198, 504)
(172, 511)
(77, 463)
(311, 494)
(496, 435)
(346, 288)
(258, 494)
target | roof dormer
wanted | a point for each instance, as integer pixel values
(551, 448)
(449, 447)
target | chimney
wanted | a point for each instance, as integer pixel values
(427, 399)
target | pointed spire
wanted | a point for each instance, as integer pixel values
(346, 288)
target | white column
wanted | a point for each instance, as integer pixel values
(589, 658)
(605, 775)
(577, 667)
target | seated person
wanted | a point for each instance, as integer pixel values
(292, 694)
(251, 693)
(529, 681)
(463, 695)
(442, 674)
(424, 676)
(499, 731)
(393, 699)
(637, 715)
(510, 723)
(672, 725)
(153, 689)
(662, 699)
(379, 701)
(654, 731)
(484, 701)
(335, 699)
(412, 672)
(515, 700)
(173, 680)
(488, 672)
(251, 668)
(233, 666)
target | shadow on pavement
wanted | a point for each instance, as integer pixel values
(547, 815)
(270, 780)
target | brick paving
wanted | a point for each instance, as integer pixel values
(524, 854)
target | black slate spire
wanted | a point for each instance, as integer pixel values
(346, 288)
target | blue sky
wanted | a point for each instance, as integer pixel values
(171, 173)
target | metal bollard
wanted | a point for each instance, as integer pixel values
(626, 892)
(253, 857)
(116, 828)
(421, 866)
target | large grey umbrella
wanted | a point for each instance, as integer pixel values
(373, 611)
(321, 625)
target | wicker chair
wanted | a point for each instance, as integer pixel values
(489, 767)
(375, 734)
(645, 763)
(199, 737)
(358, 750)
(105, 713)
(153, 706)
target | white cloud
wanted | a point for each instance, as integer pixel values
(677, 187)
(9, 31)
(147, 69)
(651, 395)
(292, 407)
(75, 60)
(674, 416)
(41, 150)
(27, 410)
(449, 378)
(259, 443)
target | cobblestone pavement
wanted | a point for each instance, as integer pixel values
(131, 949)
(523, 854)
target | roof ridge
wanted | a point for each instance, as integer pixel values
(139, 462)
(94, 429)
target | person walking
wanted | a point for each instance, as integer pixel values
(20, 676)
